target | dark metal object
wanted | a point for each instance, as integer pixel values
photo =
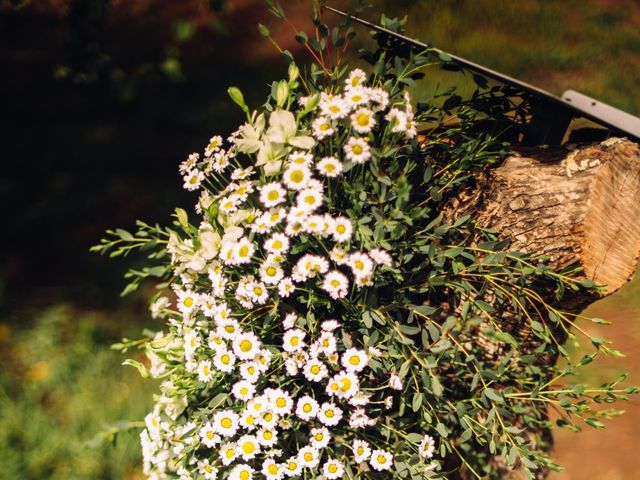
(550, 115)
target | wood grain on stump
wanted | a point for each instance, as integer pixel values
(576, 205)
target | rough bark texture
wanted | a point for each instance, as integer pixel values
(575, 205)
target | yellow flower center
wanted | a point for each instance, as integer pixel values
(355, 360)
(226, 423)
(294, 341)
(281, 402)
(271, 271)
(188, 302)
(245, 475)
(230, 453)
(333, 468)
(292, 465)
(297, 176)
(306, 408)
(248, 448)
(341, 229)
(359, 264)
(357, 149)
(244, 251)
(330, 167)
(382, 459)
(330, 413)
(362, 119)
(324, 127)
(226, 359)
(273, 195)
(210, 435)
(245, 345)
(308, 456)
(272, 469)
(277, 244)
(315, 369)
(267, 435)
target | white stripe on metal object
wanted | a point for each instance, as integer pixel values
(613, 116)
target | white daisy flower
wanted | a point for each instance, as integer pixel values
(322, 128)
(219, 161)
(243, 390)
(191, 342)
(327, 343)
(319, 437)
(339, 256)
(314, 224)
(255, 291)
(310, 265)
(309, 199)
(248, 447)
(286, 287)
(296, 177)
(228, 453)
(225, 423)
(356, 96)
(248, 420)
(215, 342)
(355, 79)
(363, 120)
(193, 179)
(427, 447)
(209, 471)
(314, 370)
(268, 419)
(292, 466)
(271, 273)
(291, 367)
(293, 340)
(224, 361)
(381, 460)
(355, 360)
(208, 436)
(336, 284)
(250, 371)
(242, 173)
(361, 451)
(272, 470)
(228, 328)
(348, 384)
(278, 243)
(309, 457)
(301, 159)
(341, 229)
(241, 472)
(243, 251)
(280, 401)
(334, 107)
(230, 204)
(187, 301)
(307, 408)
(214, 145)
(190, 163)
(329, 414)
(205, 373)
(357, 150)
(397, 120)
(267, 437)
(333, 469)
(272, 194)
(263, 360)
(361, 264)
(246, 345)
(330, 167)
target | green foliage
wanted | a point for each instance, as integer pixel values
(66, 404)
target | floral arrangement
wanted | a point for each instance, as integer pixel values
(322, 310)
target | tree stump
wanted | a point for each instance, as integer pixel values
(576, 205)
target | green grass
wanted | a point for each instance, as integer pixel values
(60, 387)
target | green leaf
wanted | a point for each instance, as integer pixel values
(139, 366)
(494, 395)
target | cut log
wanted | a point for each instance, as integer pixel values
(575, 205)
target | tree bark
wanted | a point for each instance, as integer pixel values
(574, 205)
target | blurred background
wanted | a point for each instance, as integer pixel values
(100, 101)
